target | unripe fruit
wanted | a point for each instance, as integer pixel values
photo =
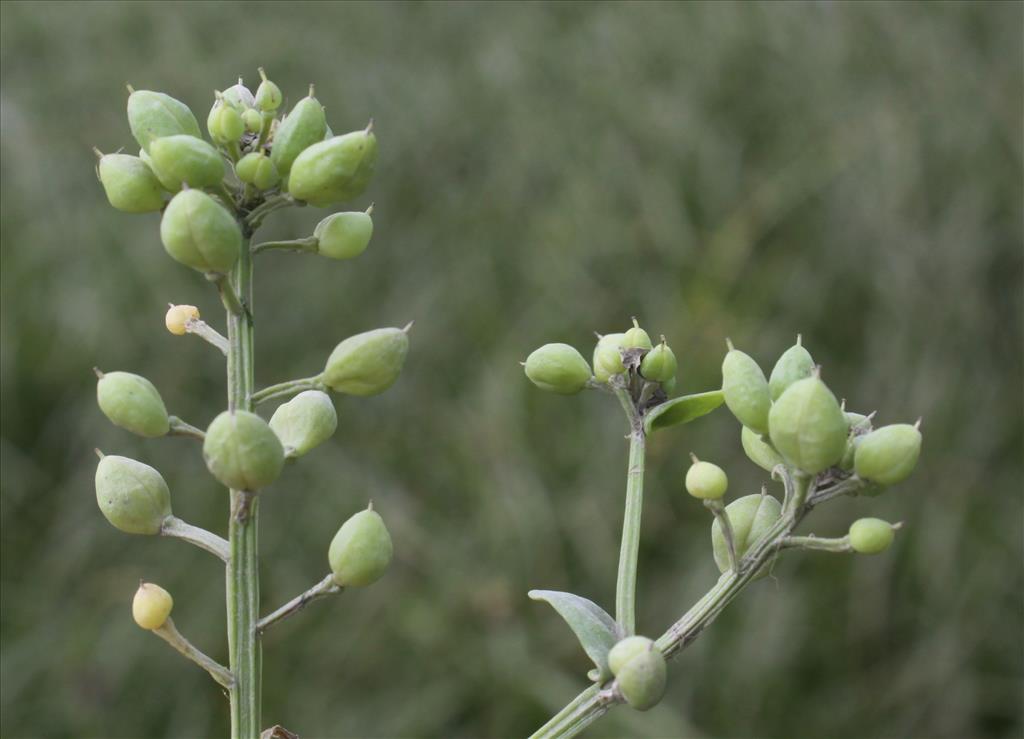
(253, 120)
(151, 606)
(807, 426)
(198, 232)
(303, 127)
(625, 650)
(859, 425)
(669, 386)
(304, 422)
(659, 364)
(268, 95)
(239, 96)
(225, 123)
(242, 452)
(256, 169)
(636, 338)
(746, 390)
(152, 115)
(759, 451)
(871, 535)
(889, 454)
(367, 363)
(750, 517)
(334, 171)
(344, 235)
(187, 159)
(794, 364)
(130, 185)
(607, 357)
(361, 550)
(131, 402)
(642, 679)
(178, 316)
(558, 368)
(706, 481)
(132, 496)
(168, 184)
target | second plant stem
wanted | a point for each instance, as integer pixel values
(625, 586)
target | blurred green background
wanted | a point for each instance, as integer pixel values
(851, 171)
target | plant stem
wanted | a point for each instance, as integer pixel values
(172, 636)
(327, 586)
(180, 428)
(625, 586)
(310, 244)
(202, 538)
(284, 389)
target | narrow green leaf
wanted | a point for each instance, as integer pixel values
(595, 629)
(682, 410)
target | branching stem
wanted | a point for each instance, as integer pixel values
(180, 428)
(286, 389)
(202, 538)
(217, 671)
(625, 587)
(327, 586)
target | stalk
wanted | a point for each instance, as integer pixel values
(625, 586)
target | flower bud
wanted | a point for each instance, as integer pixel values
(367, 363)
(268, 95)
(659, 364)
(361, 550)
(642, 679)
(303, 127)
(198, 232)
(871, 535)
(131, 402)
(334, 171)
(889, 454)
(178, 316)
(257, 169)
(253, 120)
(794, 364)
(759, 451)
(706, 481)
(151, 606)
(187, 159)
(807, 426)
(608, 358)
(625, 650)
(224, 123)
(130, 185)
(746, 390)
(344, 235)
(558, 368)
(304, 422)
(242, 452)
(750, 518)
(152, 115)
(636, 338)
(132, 496)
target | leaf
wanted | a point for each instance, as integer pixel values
(682, 410)
(595, 629)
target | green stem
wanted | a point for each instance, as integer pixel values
(625, 586)
(327, 586)
(172, 636)
(284, 389)
(310, 244)
(841, 544)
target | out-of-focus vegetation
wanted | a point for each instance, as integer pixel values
(851, 171)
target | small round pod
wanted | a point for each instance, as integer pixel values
(608, 357)
(642, 679)
(253, 120)
(759, 451)
(268, 95)
(131, 495)
(659, 364)
(795, 364)
(746, 390)
(187, 159)
(301, 128)
(178, 316)
(304, 422)
(558, 368)
(344, 235)
(225, 122)
(808, 427)
(198, 232)
(706, 481)
(153, 115)
(625, 650)
(242, 452)
(888, 455)
(255, 168)
(151, 606)
(636, 338)
(367, 363)
(129, 183)
(336, 170)
(133, 403)
(871, 535)
(361, 550)
(750, 517)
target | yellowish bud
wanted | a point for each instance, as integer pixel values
(178, 316)
(151, 606)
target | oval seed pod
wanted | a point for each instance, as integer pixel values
(642, 679)
(367, 363)
(669, 386)
(152, 115)
(334, 171)
(750, 517)
(178, 316)
(608, 358)
(871, 535)
(304, 422)
(794, 364)
(759, 451)
(361, 550)
(256, 169)
(225, 123)
(131, 495)
(558, 368)
(303, 127)
(807, 426)
(636, 338)
(859, 425)
(253, 120)
(268, 95)
(746, 390)
(239, 96)
(151, 606)
(131, 402)
(625, 650)
(199, 232)
(706, 481)
(130, 185)
(344, 235)
(167, 184)
(659, 364)
(187, 159)
(888, 454)
(242, 452)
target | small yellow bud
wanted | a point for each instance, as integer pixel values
(178, 316)
(151, 606)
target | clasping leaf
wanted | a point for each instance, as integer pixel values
(595, 629)
(682, 410)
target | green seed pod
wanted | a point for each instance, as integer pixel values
(636, 338)
(794, 364)
(152, 115)
(198, 232)
(558, 368)
(625, 650)
(132, 496)
(607, 357)
(889, 454)
(344, 235)
(151, 606)
(642, 679)
(303, 127)
(807, 426)
(242, 452)
(746, 390)
(334, 171)
(131, 402)
(759, 451)
(669, 386)
(859, 425)
(871, 535)
(256, 169)
(239, 97)
(187, 159)
(750, 517)
(130, 184)
(304, 422)
(253, 120)
(659, 364)
(706, 481)
(224, 123)
(361, 550)
(167, 184)
(268, 95)
(367, 363)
